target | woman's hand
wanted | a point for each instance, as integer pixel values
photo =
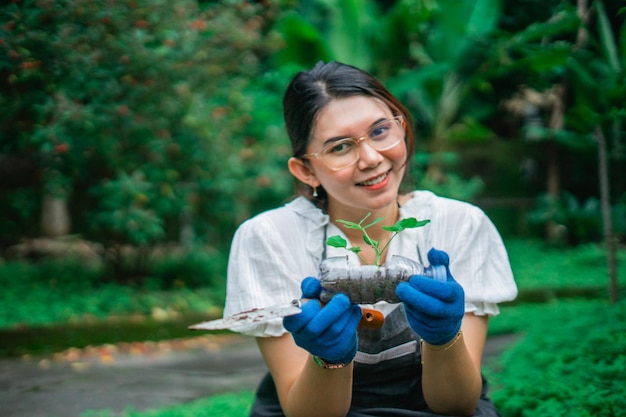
(329, 331)
(434, 309)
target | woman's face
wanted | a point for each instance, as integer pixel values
(370, 184)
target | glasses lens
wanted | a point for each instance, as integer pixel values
(382, 136)
(385, 135)
(341, 154)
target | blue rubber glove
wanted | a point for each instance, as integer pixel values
(434, 309)
(328, 332)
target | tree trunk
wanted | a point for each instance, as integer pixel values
(55, 217)
(605, 198)
(553, 185)
(557, 122)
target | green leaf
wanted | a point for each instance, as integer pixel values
(365, 218)
(484, 17)
(607, 39)
(350, 225)
(408, 223)
(349, 26)
(337, 242)
(369, 241)
(355, 249)
(372, 223)
(566, 22)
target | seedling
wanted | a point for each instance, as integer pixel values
(339, 242)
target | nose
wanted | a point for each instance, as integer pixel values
(368, 156)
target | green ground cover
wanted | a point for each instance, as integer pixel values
(569, 361)
(538, 266)
(227, 405)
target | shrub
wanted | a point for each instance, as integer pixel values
(197, 268)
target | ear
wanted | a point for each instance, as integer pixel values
(302, 172)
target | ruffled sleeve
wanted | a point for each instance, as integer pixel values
(270, 255)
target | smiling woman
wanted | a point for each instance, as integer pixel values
(351, 141)
(367, 171)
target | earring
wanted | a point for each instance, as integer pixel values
(314, 192)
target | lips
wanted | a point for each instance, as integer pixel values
(375, 180)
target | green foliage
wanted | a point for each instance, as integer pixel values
(601, 66)
(141, 113)
(402, 224)
(581, 222)
(195, 268)
(445, 73)
(232, 405)
(339, 30)
(449, 184)
(122, 216)
(569, 361)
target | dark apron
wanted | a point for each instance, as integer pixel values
(387, 376)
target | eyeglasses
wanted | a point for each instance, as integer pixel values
(344, 152)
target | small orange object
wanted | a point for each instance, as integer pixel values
(371, 319)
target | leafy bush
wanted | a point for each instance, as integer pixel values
(71, 291)
(196, 268)
(149, 117)
(582, 222)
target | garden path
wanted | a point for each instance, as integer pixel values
(138, 375)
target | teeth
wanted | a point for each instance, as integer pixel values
(375, 180)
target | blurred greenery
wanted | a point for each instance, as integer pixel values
(143, 116)
(537, 265)
(152, 121)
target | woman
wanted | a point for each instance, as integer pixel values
(351, 143)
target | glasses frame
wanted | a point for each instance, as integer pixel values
(357, 140)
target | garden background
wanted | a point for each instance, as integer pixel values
(136, 135)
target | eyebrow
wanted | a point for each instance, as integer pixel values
(338, 138)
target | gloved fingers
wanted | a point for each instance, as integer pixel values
(338, 307)
(347, 323)
(445, 291)
(426, 324)
(420, 303)
(438, 257)
(311, 287)
(295, 323)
